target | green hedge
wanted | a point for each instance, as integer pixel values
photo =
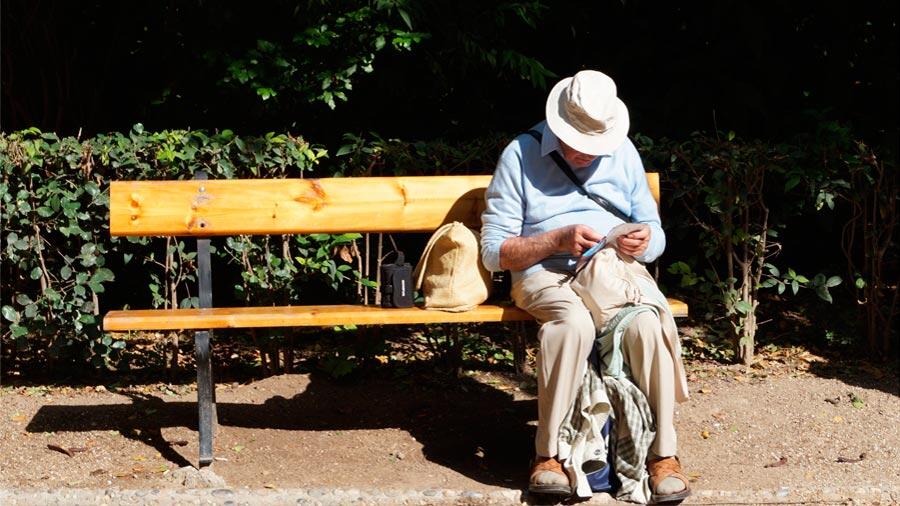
(58, 259)
(56, 245)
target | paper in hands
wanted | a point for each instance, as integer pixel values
(611, 240)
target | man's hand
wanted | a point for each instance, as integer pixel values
(635, 243)
(576, 239)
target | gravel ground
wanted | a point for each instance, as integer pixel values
(329, 497)
(792, 430)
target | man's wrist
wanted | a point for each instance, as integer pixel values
(519, 253)
(552, 242)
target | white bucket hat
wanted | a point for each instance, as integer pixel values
(584, 112)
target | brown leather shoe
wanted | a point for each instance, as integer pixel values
(662, 468)
(548, 477)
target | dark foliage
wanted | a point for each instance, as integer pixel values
(756, 68)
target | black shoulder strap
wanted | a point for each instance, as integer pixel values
(564, 166)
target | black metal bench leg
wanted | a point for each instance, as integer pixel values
(206, 390)
(206, 402)
(520, 355)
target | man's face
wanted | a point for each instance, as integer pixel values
(576, 158)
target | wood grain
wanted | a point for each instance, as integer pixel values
(292, 206)
(298, 206)
(310, 316)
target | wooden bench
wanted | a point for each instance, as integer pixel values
(203, 208)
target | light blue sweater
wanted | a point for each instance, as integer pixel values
(529, 195)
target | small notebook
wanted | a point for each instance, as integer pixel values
(610, 239)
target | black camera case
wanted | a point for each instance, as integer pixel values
(396, 283)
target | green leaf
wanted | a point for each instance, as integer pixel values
(833, 281)
(102, 275)
(99, 277)
(405, 16)
(743, 306)
(23, 299)
(768, 283)
(824, 294)
(52, 295)
(92, 189)
(36, 273)
(792, 182)
(118, 345)
(679, 268)
(860, 283)
(731, 135)
(688, 280)
(348, 237)
(266, 93)
(10, 314)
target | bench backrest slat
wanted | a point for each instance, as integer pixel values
(298, 206)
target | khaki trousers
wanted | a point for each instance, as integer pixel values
(566, 337)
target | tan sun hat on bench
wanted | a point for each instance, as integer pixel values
(584, 112)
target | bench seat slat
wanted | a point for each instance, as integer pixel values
(310, 316)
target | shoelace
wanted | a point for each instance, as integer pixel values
(549, 465)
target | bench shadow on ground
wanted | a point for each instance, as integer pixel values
(859, 373)
(477, 430)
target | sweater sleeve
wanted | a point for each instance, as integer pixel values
(502, 217)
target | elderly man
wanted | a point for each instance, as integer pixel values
(538, 223)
